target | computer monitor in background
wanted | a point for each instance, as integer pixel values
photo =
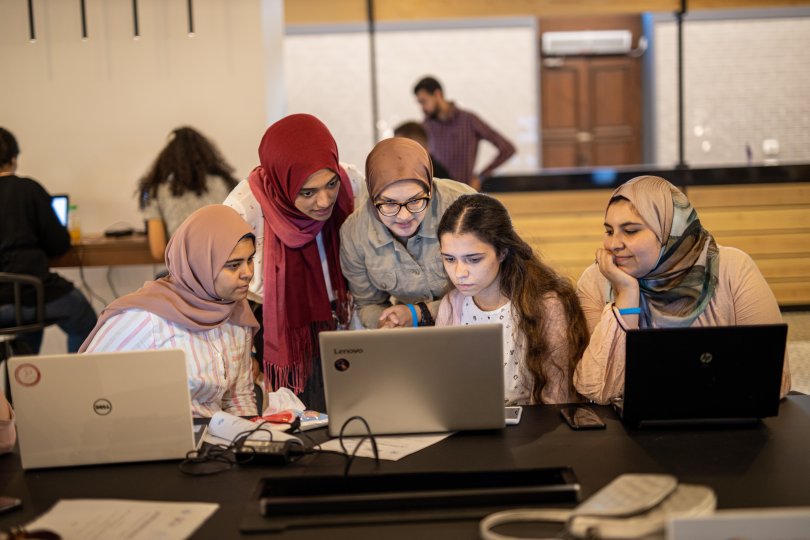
(61, 206)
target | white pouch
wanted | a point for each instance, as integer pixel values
(631, 506)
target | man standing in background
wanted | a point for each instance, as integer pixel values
(453, 134)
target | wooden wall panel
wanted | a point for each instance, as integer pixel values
(352, 11)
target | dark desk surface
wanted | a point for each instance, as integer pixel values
(752, 466)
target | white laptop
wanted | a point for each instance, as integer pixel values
(414, 380)
(82, 409)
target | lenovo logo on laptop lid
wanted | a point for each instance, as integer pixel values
(707, 374)
(414, 380)
(83, 409)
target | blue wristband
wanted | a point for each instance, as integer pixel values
(630, 311)
(413, 315)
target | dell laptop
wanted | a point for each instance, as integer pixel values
(718, 374)
(82, 409)
(414, 380)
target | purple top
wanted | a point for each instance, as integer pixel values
(454, 142)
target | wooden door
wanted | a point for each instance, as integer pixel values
(591, 106)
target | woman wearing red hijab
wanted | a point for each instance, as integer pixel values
(296, 201)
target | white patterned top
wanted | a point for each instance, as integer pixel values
(517, 381)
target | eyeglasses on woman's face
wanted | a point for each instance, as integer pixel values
(414, 206)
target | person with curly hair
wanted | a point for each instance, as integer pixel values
(189, 173)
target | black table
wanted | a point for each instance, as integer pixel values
(762, 465)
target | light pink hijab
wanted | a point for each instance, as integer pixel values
(196, 253)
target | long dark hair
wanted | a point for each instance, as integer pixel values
(184, 163)
(525, 280)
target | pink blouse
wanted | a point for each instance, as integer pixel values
(742, 297)
(554, 368)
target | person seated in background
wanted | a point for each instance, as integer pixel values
(8, 432)
(499, 279)
(388, 245)
(30, 234)
(659, 268)
(295, 202)
(416, 132)
(200, 307)
(189, 173)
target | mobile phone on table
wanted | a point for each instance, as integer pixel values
(513, 414)
(581, 417)
(9, 503)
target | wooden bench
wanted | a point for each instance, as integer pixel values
(770, 222)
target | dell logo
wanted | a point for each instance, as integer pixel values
(102, 407)
(705, 358)
(348, 351)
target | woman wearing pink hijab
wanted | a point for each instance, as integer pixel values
(296, 201)
(200, 307)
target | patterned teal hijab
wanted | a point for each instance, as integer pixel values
(683, 281)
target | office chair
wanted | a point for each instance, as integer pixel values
(9, 334)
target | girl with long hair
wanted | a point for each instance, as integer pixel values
(189, 173)
(499, 279)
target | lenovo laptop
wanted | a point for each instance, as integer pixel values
(81, 409)
(719, 374)
(414, 380)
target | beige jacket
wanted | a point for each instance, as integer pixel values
(742, 297)
(379, 267)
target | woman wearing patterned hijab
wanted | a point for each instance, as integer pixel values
(389, 246)
(200, 307)
(659, 268)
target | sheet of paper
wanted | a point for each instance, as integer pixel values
(224, 427)
(113, 519)
(392, 448)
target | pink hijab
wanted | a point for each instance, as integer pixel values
(196, 253)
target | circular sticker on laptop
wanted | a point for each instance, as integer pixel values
(27, 374)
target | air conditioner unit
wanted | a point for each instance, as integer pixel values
(587, 42)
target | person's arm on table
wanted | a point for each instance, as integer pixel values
(599, 375)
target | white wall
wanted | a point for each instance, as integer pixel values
(746, 80)
(486, 66)
(90, 116)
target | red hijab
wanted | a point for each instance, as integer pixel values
(296, 302)
(196, 253)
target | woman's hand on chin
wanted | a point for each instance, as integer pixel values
(623, 283)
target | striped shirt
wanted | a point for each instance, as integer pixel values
(217, 360)
(454, 142)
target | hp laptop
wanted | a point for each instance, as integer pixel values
(81, 409)
(720, 374)
(61, 207)
(414, 380)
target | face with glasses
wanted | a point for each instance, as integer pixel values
(401, 207)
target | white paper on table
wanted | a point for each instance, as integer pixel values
(113, 519)
(392, 448)
(224, 427)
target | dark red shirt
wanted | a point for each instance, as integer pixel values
(454, 142)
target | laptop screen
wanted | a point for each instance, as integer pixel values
(60, 205)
